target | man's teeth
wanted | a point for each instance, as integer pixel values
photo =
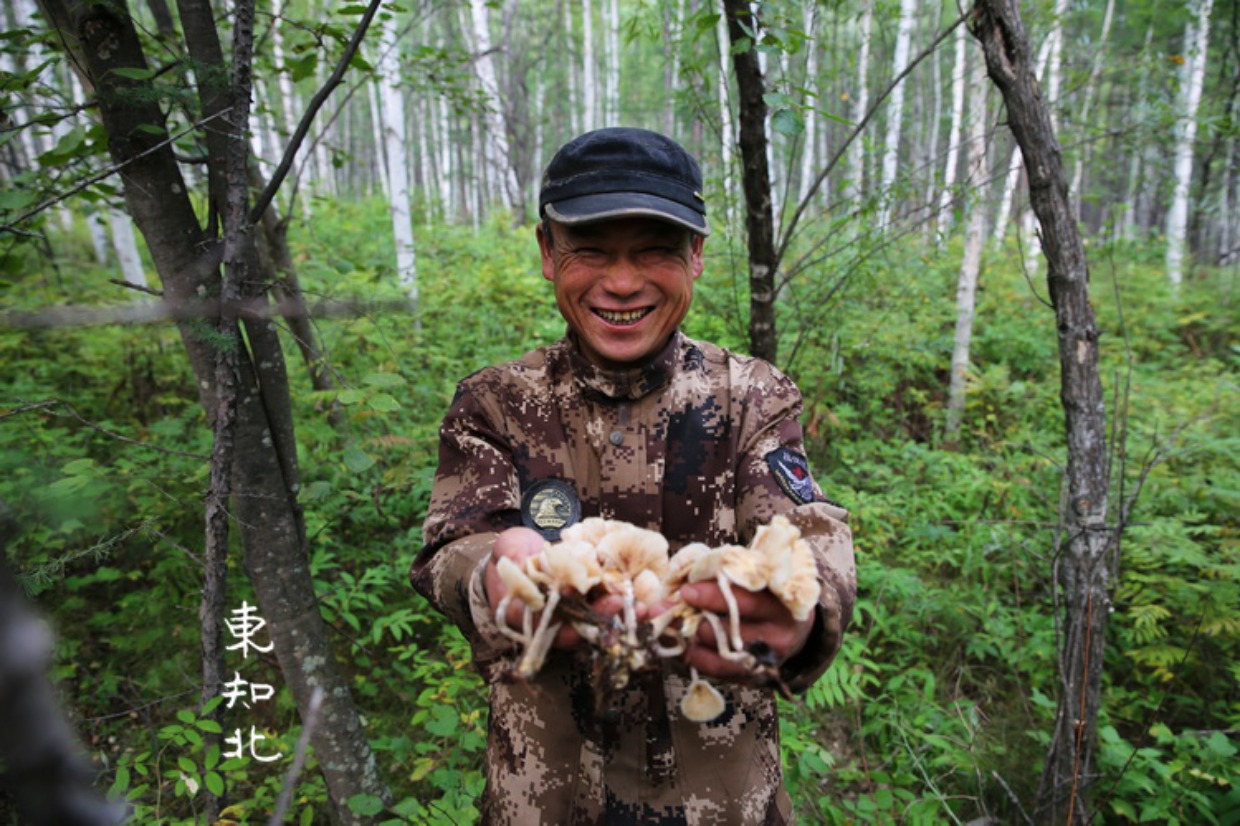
(622, 316)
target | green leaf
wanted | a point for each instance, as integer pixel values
(357, 460)
(788, 122)
(209, 726)
(188, 766)
(351, 396)
(215, 784)
(303, 67)
(384, 379)
(186, 716)
(366, 805)
(383, 403)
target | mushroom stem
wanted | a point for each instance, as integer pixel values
(734, 612)
(540, 641)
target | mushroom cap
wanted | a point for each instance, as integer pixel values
(795, 580)
(707, 565)
(629, 550)
(775, 536)
(745, 567)
(520, 584)
(648, 588)
(569, 565)
(592, 529)
(702, 702)
(681, 563)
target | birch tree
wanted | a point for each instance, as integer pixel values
(1196, 40)
(895, 111)
(959, 69)
(966, 286)
(861, 103)
(391, 116)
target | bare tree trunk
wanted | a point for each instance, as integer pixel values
(1083, 572)
(264, 480)
(756, 180)
(726, 128)
(1196, 40)
(966, 288)
(895, 112)
(959, 69)
(861, 104)
(395, 147)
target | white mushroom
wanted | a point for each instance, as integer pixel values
(702, 701)
(794, 579)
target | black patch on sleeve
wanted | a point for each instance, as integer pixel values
(791, 471)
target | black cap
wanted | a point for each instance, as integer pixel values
(618, 172)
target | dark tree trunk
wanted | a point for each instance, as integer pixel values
(1082, 568)
(756, 179)
(263, 478)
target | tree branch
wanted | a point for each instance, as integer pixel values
(307, 118)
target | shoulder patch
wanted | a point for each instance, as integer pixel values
(791, 471)
(550, 506)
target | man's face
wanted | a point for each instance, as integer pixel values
(623, 286)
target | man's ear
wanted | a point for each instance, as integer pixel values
(544, 248)
(697, 262)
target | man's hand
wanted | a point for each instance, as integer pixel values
(763, 618)
(519, 544)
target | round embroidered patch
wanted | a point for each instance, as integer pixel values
(550, 506)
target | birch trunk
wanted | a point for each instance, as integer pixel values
(959, 68)
(727, 137)
(391, 115)
(589, 73)
(125, 247)
(809, 138)
(895, 112)
(1091, 88)
(611, 59)
(1082, 566)
(1196, 40)
(966, 287)
(861, 103)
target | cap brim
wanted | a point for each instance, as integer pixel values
(608, 206)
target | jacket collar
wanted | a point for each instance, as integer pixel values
(630, 383)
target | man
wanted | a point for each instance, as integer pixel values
(627, 418)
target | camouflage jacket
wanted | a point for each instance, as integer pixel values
(703, 445)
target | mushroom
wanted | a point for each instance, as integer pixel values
(702, 701)
(794, 579)
(519, 586)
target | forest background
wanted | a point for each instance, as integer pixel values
(909, 301)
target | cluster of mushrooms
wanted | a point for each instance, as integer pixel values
(598, 556)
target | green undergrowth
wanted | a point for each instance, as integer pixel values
(939, 706)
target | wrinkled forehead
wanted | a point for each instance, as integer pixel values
(639, 229)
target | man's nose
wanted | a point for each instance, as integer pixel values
(623, 277)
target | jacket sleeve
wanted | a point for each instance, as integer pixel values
(774, 478)
(475, 496)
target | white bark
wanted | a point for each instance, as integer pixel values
(809, 143)
(496, 141)
(391, 113)
(573, 104)
(966, 287)
(1091, 86)
(861, 102)
(727, 142)
(895, 110)
(125, 246)
(611, 44)
(447, 167)
(98, 236)
(589, 76)
(1196, 40)
(959, 69)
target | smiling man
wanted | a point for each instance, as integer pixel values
(627, 418)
